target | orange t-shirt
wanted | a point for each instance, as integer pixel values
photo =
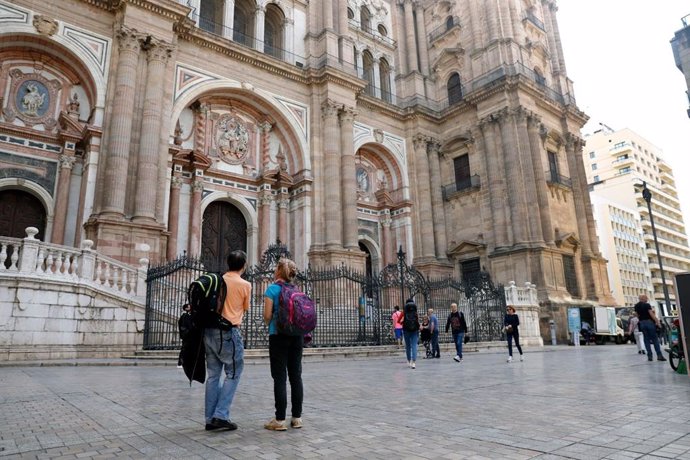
(237, 298)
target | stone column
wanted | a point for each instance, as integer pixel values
(117, 159)
(492, 20)
(331, 147)
(512, 173)
(493, 165)
(387, 244)
(348, 179)
(62, 199)
(422, 41)
(328, 14)
(426, 217)
(195, 218)
(410, 41)
(265, 202)
(437, 201)
(377, 78)
(259, 24)
(289, 40)
(360, 64)
(174, 216)
(543, 202)
(557, 38)
(283, 207)
(582, 175)
(149, 145)
(551, 38)
(476, 27)
(578, 198)
(343, 21)
(228, 18)
(529, 174)
(265, 129)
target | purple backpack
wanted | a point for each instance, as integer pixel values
(296, 311)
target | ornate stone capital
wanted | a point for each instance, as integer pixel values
(159, 50)
(573, 143)
(284, 203)
(266, 199)
(434, 146)
(265, 127)
(129, 39)
(420, 142)
(348, 114)
(330, 109)
(198, 185)
(67, 161)
(176, 182)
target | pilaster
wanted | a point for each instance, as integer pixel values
(439, 213)
(332, 175)
(424, 196)
(348, 179)
(62, 198)
(174, 216)
(195, 218)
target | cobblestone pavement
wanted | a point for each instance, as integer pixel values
(595, 402)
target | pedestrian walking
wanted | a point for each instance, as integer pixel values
(634, 331)
(184, 327)
(396, 318)
(411, 332)
(224, 346)
(511, 322)
(433, 328)
(425, 337)
(648, 324)
(285, 353)
(458, 327)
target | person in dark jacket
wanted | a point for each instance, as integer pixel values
(648, 325)
(511, 323)
(410, 323)
(458, 326)
(184, 326)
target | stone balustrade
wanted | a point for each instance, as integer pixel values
(524, 299)
(61, 302)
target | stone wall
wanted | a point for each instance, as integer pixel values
(58, 302)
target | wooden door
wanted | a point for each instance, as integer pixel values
(224, 229)
(18, 210)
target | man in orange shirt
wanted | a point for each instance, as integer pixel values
(224, 347)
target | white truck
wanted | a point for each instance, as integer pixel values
(606, 326)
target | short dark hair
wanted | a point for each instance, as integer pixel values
(237, 260)
(397, 308)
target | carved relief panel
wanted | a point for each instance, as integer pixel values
(32, 99)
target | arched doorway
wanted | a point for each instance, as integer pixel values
(224, 230)
(18, 210)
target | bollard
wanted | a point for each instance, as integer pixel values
(552, 326)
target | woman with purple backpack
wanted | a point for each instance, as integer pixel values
(285, 353)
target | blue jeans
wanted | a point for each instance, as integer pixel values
(648, 329)
(411, 344)
(458, 340)
(231, 359)
(435, 350)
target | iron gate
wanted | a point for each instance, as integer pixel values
(353, 309)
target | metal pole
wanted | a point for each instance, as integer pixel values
(647, 195)
(401, 262)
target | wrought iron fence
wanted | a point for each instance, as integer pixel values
(353, 309)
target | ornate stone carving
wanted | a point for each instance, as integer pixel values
(129, 39)
(330, 109)
(232, 139)
(378, 135)
(33, 98)
(45, 25)
(363, 180)
(177, 139)
(176, 182)
(420, 142)
(67, 161)
(73, 106)
(159, 51)
(198, 185)
(282, 162)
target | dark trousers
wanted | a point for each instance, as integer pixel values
(435, 350)
(514, 335)
(285, 353)
(648, 328)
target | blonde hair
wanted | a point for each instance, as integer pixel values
(286, 269)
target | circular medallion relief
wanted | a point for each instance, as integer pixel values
(232, 139)
(32, 99)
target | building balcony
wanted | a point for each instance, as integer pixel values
(553, 178)
(535, 21)
(452, 22)
(372, 33)
(620, 148)
(619, 162)
(468, 184)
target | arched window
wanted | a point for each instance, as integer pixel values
(454, 89)
(365, 19)
(450, 22)
(273, 31)
(243, 27)
(382, 30)
(350, 14)
(210, 16)
(539, 76)
(368, 71)
(385, 75)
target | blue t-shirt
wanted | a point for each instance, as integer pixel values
(433, 320)
(273, 293)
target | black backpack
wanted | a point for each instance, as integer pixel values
(206, 295)
(411, 320)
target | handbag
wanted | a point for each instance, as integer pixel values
(466, 338)
(508, 329)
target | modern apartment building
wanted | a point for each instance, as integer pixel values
(681, 52)
(617, 163)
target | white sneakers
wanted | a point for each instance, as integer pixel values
(413, 365)
(510, 359)
(296, 422)
(522, 357)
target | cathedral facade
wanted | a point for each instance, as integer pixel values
(346, 129)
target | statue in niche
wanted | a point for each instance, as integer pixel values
(362, 180)
(232, 139)
(73, 105)
(33, 100)
(381, 178)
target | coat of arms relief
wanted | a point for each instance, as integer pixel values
(232, 139)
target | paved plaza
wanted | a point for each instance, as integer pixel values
(589, 403)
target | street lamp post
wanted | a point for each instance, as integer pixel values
(401, 268)
(647, 195)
